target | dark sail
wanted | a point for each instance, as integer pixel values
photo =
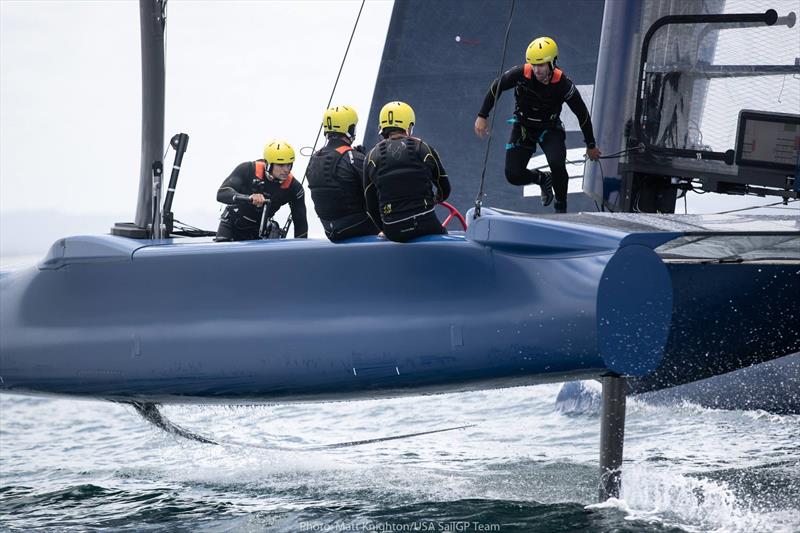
(445, 80)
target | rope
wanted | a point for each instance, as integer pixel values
(640, 148)
(615, 155)
(755, 207)
(481, 194)
(333, 91)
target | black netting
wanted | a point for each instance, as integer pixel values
(699, 76)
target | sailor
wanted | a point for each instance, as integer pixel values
(540, 89)
(251, 184)
(336, 176)
(404, 178)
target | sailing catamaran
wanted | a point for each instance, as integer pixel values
(140, 316)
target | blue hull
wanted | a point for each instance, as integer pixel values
(517, 300)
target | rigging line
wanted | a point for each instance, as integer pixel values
(336, 82)
(194, 230)
(151, 413)
(185, 225)
(479, 198)
(615, 155)
(755, 207)
(570, 162)
(384, 439)
(333, 91)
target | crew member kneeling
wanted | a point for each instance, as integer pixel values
(404, 178)
(250, 184)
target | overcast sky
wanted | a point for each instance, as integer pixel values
(238, 74)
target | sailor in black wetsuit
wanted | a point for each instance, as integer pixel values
(250, 184)
(335, 177)
(540, 89)
(404, 178)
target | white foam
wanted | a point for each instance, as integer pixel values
(653, 495)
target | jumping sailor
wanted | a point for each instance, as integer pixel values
(540, 89)
(404, 178)
(249, 187)
(336, 176)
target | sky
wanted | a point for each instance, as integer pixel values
(238, 74)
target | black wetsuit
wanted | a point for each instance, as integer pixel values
(335, 177)
(240, 220)
(400, 175)
(537, 120)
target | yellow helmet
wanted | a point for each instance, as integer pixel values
(279, 152)
(542, 50)
(397, 115)
(340, 119)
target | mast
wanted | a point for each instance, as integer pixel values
(152, 22)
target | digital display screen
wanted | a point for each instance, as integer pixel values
(769, 140)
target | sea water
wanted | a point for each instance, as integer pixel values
(78, 465)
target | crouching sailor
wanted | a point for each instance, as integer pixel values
(335, 177)
(256, 185)
(404, 178)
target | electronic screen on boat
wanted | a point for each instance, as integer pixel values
(768, 140)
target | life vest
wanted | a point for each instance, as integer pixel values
(527, 71)
(336, 192)
(537, 103)
(402, 179)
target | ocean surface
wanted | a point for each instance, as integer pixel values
(80, 465)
